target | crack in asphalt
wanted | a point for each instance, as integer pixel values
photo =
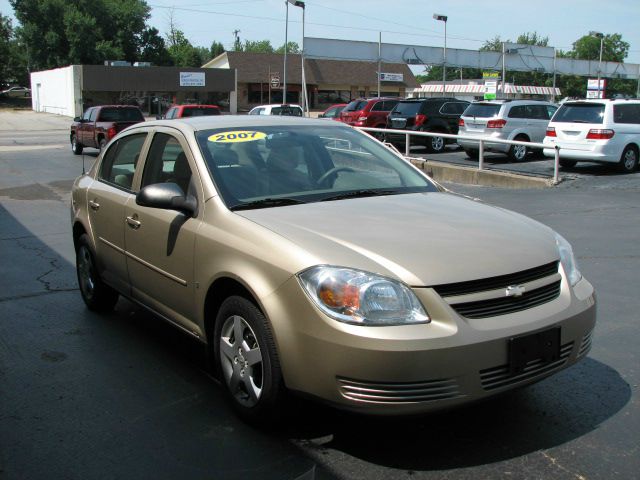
(53, 263)
(37, 294)
(555, 463)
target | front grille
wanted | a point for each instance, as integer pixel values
(494, 283)
(505, 305)
(498, 377)
(413, 392)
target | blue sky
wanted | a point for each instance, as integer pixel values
(401, 21)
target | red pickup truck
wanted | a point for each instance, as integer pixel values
(100, 124)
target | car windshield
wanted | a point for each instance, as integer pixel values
(200, 112)
(580, 113)
(355, 106)
(406, 108)
(482, 110)
(260, 167)
(120, 115)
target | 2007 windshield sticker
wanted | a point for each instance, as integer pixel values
(236, 136)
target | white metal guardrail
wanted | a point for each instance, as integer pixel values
(481, 143)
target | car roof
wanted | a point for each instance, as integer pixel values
(278, 105)
(238, 121)
(195, 106)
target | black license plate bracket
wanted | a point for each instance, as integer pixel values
(544, 345)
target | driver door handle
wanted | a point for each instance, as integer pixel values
(133, 222)
(94, 205)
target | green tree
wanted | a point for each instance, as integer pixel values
(292, 47)
(216, 49)
(13, 55)
(6, 36)
(59, 32)
(257, 46)
(181, 51)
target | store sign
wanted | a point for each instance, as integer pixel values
(490, 90)
(490, 75)
(595, 90)
(391, 77)
(192, 79)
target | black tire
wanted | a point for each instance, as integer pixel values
(568, 163)
(76, 147)
(102, 143)
(518, 153)
(435, 144)
(98, 296)
(472, 154)
(628, 160)
(236, 374)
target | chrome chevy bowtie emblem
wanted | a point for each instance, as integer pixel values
(514, 291)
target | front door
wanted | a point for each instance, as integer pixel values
(160, 243)
(106, 199)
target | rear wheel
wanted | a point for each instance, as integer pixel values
(629, 160)
(76, 147)
(518, 153)
(435, 144)
(96, 295)
(567, 163)
(247, 361)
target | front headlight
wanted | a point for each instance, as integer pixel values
(568, 260)
(362, 298)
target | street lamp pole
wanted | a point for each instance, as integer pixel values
(286, 40)
(443, 18)
(599, 35)
(295, 3)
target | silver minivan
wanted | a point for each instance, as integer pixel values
(523, 120)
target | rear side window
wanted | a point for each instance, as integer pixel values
(482, 110)
(518, 111)
(407, 108)
(626, 114)
(378, 107)
(121, 115)
(580, 113)
(355, 106)
(120, 161)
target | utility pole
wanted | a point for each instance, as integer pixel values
(236, 42)
(379, 60)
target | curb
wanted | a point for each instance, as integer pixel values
(445, 172)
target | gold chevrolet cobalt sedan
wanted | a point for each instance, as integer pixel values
(309, 257)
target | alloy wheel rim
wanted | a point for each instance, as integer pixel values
(437, 143)
(85, 271)
(241, 361)
(519, 151)
(630, 160)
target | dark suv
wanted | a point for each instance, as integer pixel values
(438, 114)
(368, 112)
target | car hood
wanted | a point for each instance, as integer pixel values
(422, 239)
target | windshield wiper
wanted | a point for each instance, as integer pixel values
(266, 203)
(359, 194)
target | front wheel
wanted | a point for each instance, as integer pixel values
(76, 147)
(96, 295)
(102, 143)
(629, 160)
(246, 358)
(472, 154)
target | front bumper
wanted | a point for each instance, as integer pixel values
(419, 368)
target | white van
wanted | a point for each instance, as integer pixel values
(602, 131)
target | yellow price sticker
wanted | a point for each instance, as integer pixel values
(236, 136)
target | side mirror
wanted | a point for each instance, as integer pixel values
(77, 119)
(322, 115)
(167, 196)
(159, 117)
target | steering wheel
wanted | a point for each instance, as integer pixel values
(331, 171)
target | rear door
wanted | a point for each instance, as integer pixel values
(539, 120)
(107, 197)
(84, 127)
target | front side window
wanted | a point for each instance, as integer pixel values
(171, 113)
(260, 167)
(167, 162)
(120, 161)
(87, 114)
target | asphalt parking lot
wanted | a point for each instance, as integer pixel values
(85, 396)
